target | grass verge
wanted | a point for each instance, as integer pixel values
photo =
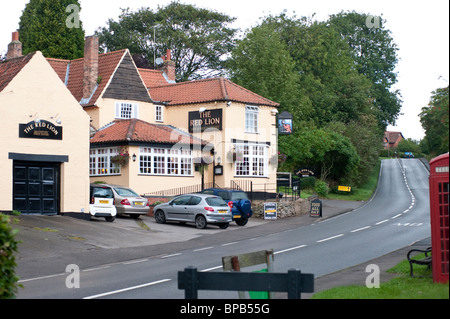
(401, 287)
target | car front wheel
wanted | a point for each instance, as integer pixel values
(159, 217)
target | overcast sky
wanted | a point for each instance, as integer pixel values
(419, 28)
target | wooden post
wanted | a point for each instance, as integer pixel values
(236, 267)
(191, 280)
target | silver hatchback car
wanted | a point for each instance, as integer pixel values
(201, 209)
(128, 201)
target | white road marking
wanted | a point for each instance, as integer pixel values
(383, 221)
(135, 261)
(97, 268)
(168, 256)
(330, 238)
(288, 249)
(205, 248)
(43, 277)
(209, 269)
(228, 244)
(127, 289)
(359, 229)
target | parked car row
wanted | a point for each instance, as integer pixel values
(214, 206)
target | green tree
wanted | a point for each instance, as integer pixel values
(198, 38)
(46, 26)
(435, 122)
(329, 153)
(375, 54)
(330, 87)
(261, 63)
(366, 136)
(409, 145)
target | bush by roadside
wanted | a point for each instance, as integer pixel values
(8, 246)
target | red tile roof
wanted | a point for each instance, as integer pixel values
(134, 130)
(107, 64)
(191, 92)
(10, 68)
(209, 90)
(152, 78)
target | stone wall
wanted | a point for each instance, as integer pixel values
(284, 208)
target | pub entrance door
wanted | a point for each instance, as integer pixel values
(36, 187)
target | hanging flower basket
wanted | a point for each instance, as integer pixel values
(233, 156)
(201, 164)
(122, 158)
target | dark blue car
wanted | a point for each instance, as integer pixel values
(242, 208)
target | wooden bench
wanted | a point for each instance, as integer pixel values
(424, 261)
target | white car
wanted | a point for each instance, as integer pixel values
(102, 203)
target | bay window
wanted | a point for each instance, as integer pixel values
(252, 160)
(100, 161)
(165, 161)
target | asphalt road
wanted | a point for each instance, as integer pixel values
(396, 216)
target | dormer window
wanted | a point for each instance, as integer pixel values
(126, 110)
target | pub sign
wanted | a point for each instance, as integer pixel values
(200, 121)
(285, 123)
(42, 130)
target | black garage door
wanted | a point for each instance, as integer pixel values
(36, 187)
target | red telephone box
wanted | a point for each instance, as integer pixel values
(439, 198)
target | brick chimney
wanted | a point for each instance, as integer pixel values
(169, 66)
(15, 47)
(90, 66)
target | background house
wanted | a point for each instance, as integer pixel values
(391, 140)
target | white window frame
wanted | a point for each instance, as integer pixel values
(254, 161)
(251, 119)
(100, 162)
(122, 113)
(165, 161)
(159, 113)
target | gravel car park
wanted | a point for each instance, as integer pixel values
(201, 209)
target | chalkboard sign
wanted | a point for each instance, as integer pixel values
(316, 208)
(270, 210)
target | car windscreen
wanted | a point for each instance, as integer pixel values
(125, 192)
(216, 201)
(238, 195)
(102, 192)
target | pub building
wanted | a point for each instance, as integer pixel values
(68, 123)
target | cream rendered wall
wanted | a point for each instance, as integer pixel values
(233, 127)
(38, 90)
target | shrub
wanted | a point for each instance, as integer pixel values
(321, 188)
(8, 246)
